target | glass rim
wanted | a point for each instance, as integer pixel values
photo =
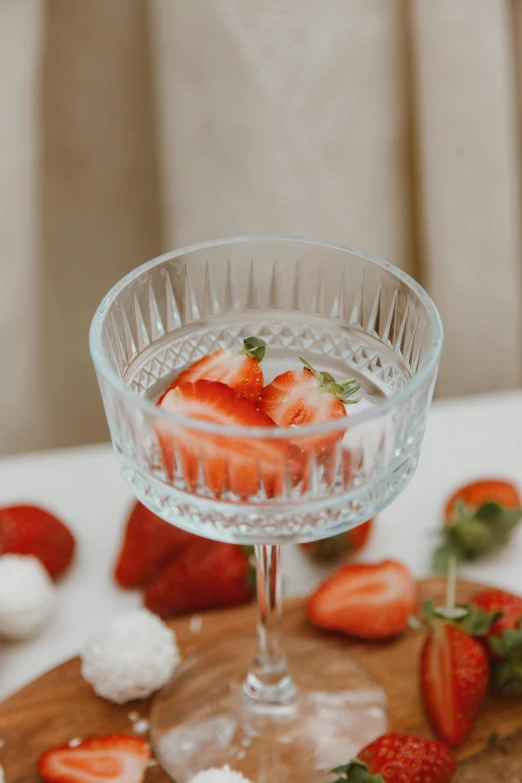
(380, 407)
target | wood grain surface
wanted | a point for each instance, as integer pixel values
(60, 705)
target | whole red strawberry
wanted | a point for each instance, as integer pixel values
(509, 608)
(478, 519)
(368, 601)
(29, 530)
(335, 548)
(148, 545)
(208, 576)
(239, 370)
(504, 640)
(400, 758)
(476, 494)
(116, 758)
(454, 670)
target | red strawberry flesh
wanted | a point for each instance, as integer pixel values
(116, 758)
(240, 464)
(367, 601)
(238, 369)
(296, 398)
(454, 681)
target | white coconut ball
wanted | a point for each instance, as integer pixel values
(222, 775)
(131, 657)
(27, 596)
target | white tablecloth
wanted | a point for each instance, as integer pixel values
(465, 438)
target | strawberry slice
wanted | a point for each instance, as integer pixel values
(366, 601)
(116, 758)
(148, 545)
(238, 369)
(29, 530)
(241, 465)
(300, 397)
(211, 576)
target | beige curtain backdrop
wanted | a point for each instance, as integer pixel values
(128, 127)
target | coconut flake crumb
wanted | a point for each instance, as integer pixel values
(74, 742)
(133, 716)
(141, 726)
(222, 775)
(196, 623)
(152, 763)
(131, 657)
(27, 596)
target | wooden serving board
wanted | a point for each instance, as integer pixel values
(60, 705)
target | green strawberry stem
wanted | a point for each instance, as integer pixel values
(254, 348)
(343, 391)
(451, 583)
(473, 621)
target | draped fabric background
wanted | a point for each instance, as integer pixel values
(133, 126)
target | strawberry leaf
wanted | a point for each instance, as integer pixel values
(470, 619)
(507, 673)
(343, 391)
(478, 622)
(506, 677)
(255, 348)
(496, 514)
(355, 772)
(473, 535)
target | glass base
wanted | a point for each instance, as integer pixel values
(204, 718)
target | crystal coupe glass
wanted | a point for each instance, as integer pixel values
(275, 713)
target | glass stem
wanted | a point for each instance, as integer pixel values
(269, 680)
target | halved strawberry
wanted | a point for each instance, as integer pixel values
(367, 601)
(299, 397)
(238, 369)
(116, 758)
(454, 680)
(29, 530)
(478, 518)
(148, 545)
(335, 548)
(211, 576)
(219, 462)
